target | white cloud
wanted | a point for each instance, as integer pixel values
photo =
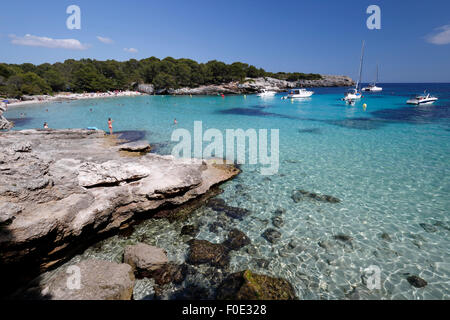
(131, 50)
(35, 41)
(440, 36)
(105, 40)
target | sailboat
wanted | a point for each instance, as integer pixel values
(373, 86)
(354, 94)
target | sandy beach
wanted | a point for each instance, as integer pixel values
(71, 96)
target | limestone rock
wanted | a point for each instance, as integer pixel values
(144, 259)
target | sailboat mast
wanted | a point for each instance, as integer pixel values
(360, 65)
(376, 79)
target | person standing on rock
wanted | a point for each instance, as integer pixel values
(45, 125)
(110, 126)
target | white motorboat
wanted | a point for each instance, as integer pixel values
(373, 86)
(266, 93)
(355, 94)
(298, 93)
(426, 98)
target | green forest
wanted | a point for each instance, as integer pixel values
(89, 75)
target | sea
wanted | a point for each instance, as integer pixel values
(387, 162)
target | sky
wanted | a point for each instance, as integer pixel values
(325, 36)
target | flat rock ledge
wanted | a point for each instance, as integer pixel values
(63, 188)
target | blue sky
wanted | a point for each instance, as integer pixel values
(325, 37)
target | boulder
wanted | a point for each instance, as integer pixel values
(246, 285)
(144, 259)
(202, 251)
(99, 280)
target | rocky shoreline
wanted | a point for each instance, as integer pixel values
(62, 189)
(250, 86)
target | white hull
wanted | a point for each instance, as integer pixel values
(351, 96)
(372, 89)
(423, 101)
(265, 93)
(299, 94)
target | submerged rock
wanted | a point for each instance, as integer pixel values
(190, 230)
(246, 285)
(170, 273)
(342, 237)
(219, 205)
(385, 237)
(236, 240)
(277, 221)
(300, 195)
(271, 235)
(144, 259)
(416, 281)
(202, 251)
(428, 227)
(99, 280)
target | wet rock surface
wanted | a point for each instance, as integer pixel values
(246, 285)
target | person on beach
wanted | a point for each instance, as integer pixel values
(45, 125)
(110, 126)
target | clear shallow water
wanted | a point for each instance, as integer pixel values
(389, 165)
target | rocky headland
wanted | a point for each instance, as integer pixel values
(251, 85)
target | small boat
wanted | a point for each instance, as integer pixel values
(354, 94)
(266, 93)
(373, 86)
(298, 94)
(426, 98)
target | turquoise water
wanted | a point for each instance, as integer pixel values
(388, 164)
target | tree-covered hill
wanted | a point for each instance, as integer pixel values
(89, 75)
